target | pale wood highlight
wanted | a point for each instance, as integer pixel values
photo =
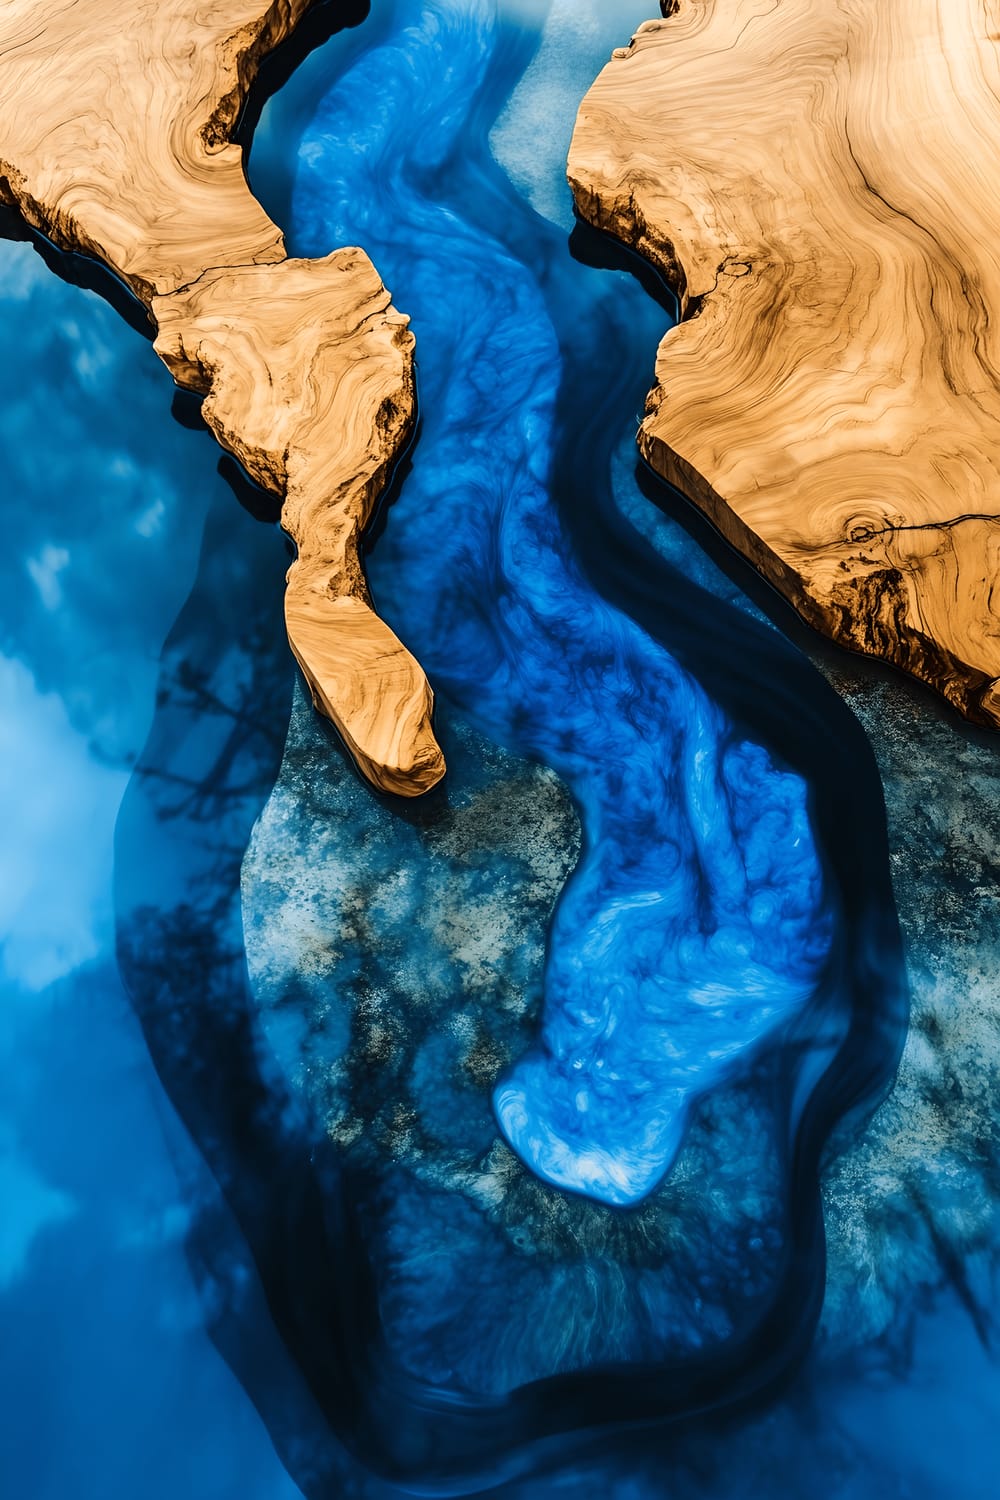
(819, 183)
(115, 120)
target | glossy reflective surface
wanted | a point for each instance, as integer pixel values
(380, 1273)
(696, 922)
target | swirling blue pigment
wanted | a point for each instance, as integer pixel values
(696, 923)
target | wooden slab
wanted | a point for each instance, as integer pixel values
(820, 182)
(115, 117)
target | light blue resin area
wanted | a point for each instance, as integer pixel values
(695, 924)
(109, 1383)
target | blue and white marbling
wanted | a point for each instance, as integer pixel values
(696, 922)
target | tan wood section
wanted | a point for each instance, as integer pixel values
(820, 182)
(115, 124)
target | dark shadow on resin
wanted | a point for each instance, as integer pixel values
(401, 469)
(258, 502)
(185, 408)
(79, 270)
(602, 252)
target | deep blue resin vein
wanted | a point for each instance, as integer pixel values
(695, 924)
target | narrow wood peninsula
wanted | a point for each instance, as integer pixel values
(115, 125)
(820, 182)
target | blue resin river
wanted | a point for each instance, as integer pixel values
(696, 922)
(200, 1275)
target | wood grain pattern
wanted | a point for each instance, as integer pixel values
(820, 184)
(115, 117)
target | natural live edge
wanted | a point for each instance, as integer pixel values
(810, 179)
(307, 372)
(114, 141)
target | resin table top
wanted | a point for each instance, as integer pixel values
(315, 1137)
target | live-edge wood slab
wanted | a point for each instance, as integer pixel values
(819, 180)
(115, 125)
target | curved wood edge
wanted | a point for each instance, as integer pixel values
(115, 121)
(819, 185)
